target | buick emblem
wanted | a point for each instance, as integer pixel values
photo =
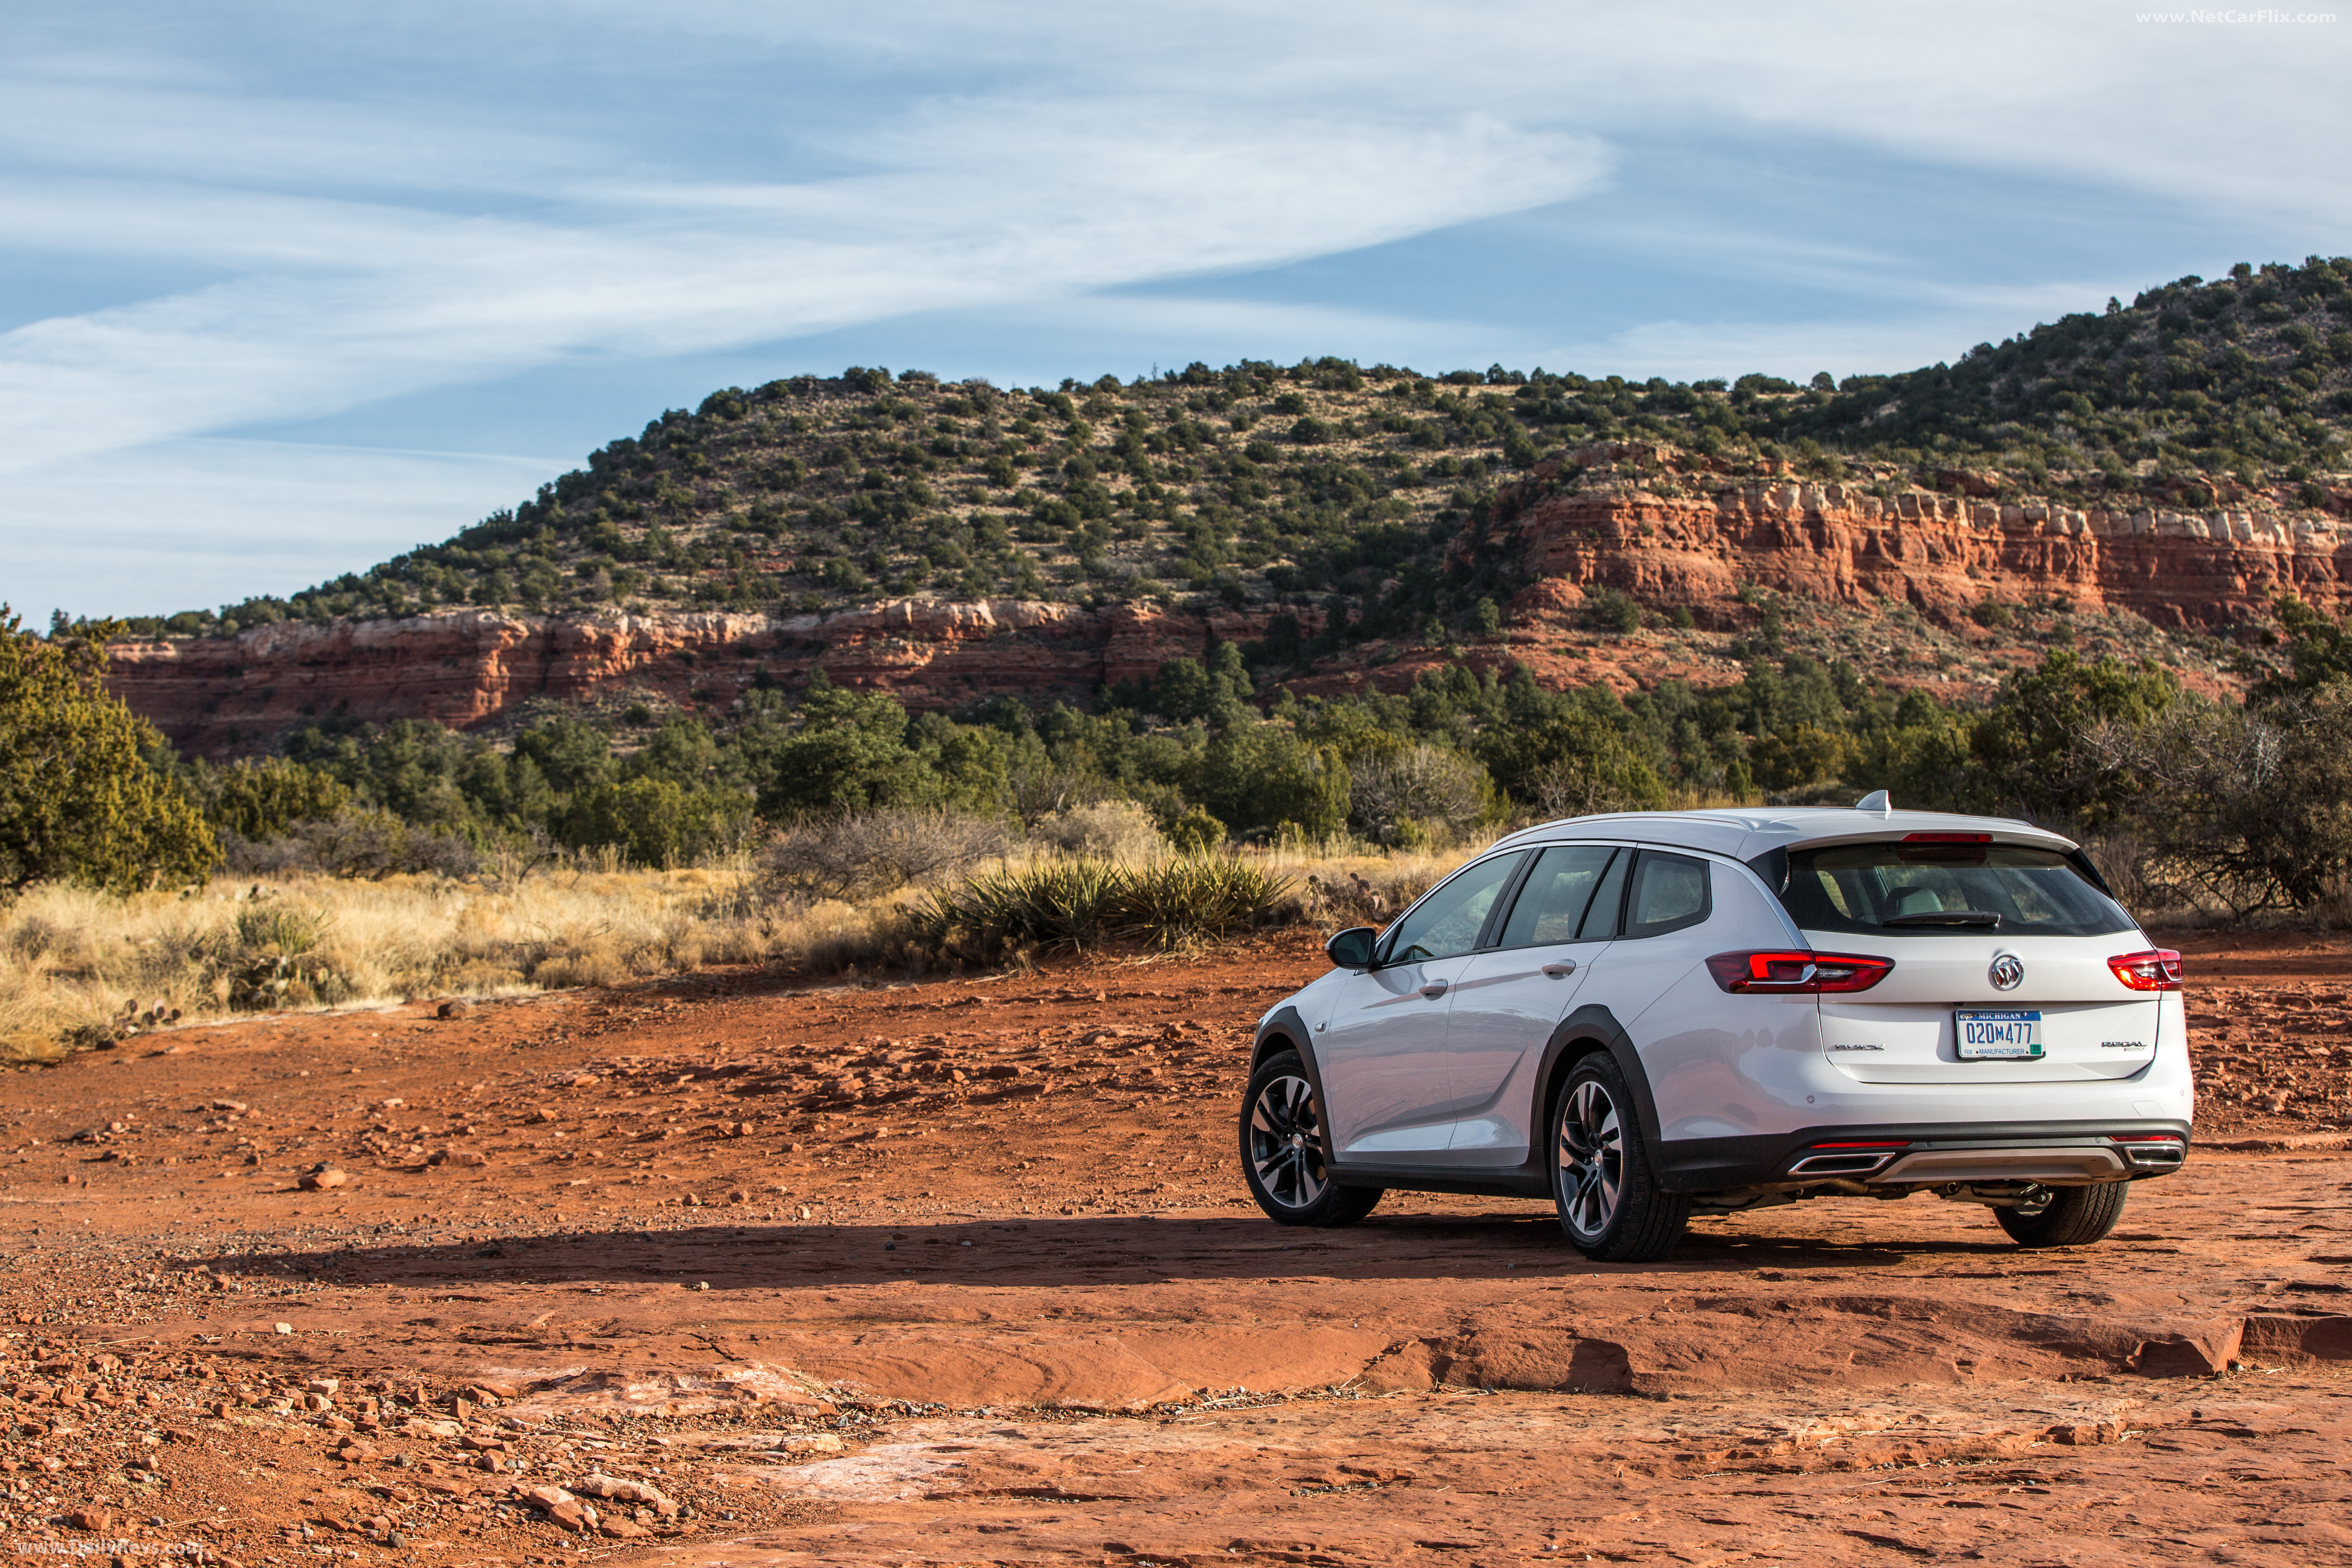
(2008, 973)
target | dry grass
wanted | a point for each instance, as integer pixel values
(71, 960)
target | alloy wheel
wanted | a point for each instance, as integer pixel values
(1286, 1143)
(1592, 1161)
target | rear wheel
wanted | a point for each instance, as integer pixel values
(2065, 1216)
(1282, 1150)
(1610, 1201)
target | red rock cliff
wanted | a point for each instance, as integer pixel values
(469, 666)
(2191, 570)
(1649, 536)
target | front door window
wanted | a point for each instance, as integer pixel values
(1446, 923)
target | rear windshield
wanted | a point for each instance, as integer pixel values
(1942, 889)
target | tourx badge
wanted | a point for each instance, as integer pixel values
(2008, 973)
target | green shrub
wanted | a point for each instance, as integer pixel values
(1059, 903)
(1196, 832)
(1610, 611)
(655, 822)
(78, 800)
(1800, 758)
(263, 799)
(1257, 776)
(849, 753)
(275, 954)
(1568, 763)
(1082, 903)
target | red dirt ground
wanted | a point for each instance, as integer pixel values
(962, 1272)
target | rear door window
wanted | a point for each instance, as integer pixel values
(1908, 889)
(1552, 901)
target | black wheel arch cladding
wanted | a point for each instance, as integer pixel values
(1285, 1030)
(1589, 1028)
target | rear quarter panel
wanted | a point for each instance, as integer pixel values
(1722, 1066)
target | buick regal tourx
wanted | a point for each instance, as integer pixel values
(1657, 1015)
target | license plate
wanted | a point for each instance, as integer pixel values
(1985, 1035)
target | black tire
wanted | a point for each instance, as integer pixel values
(1610, 1202)
(1282, 1150)
(2066, 1216)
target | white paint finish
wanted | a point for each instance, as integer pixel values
(1504, 1009)
(1382, 1060)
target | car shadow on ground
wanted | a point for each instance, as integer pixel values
(1055, 1253)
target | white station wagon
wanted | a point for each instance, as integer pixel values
(1655, 1015)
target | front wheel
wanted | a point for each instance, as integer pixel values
(1610, 1201)
(1282, 1150)
(2065, 1216)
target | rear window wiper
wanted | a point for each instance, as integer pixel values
(1986, 919)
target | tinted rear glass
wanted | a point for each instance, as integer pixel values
(1670, 892)
(1553, 899)
(1944, 890)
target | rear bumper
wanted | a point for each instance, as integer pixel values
(2054, 1154)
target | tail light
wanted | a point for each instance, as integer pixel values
(2158, 968)
(1788, 972)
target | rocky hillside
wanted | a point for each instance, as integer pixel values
(2143, 478)
(1633, 563)
(1261, 484)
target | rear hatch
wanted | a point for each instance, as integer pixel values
(2002, 955)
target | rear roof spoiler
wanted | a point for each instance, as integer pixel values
(1773, 866)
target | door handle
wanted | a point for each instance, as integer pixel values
(1565, 966)
(1434, 990)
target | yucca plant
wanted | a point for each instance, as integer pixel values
(1076, 903)
(1194, 896)
(1053, 903)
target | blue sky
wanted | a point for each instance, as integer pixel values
(285, 290)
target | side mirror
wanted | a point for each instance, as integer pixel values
(1352, 948)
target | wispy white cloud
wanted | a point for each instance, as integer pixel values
(2235, 115)
(209, 132)
(342, 300)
